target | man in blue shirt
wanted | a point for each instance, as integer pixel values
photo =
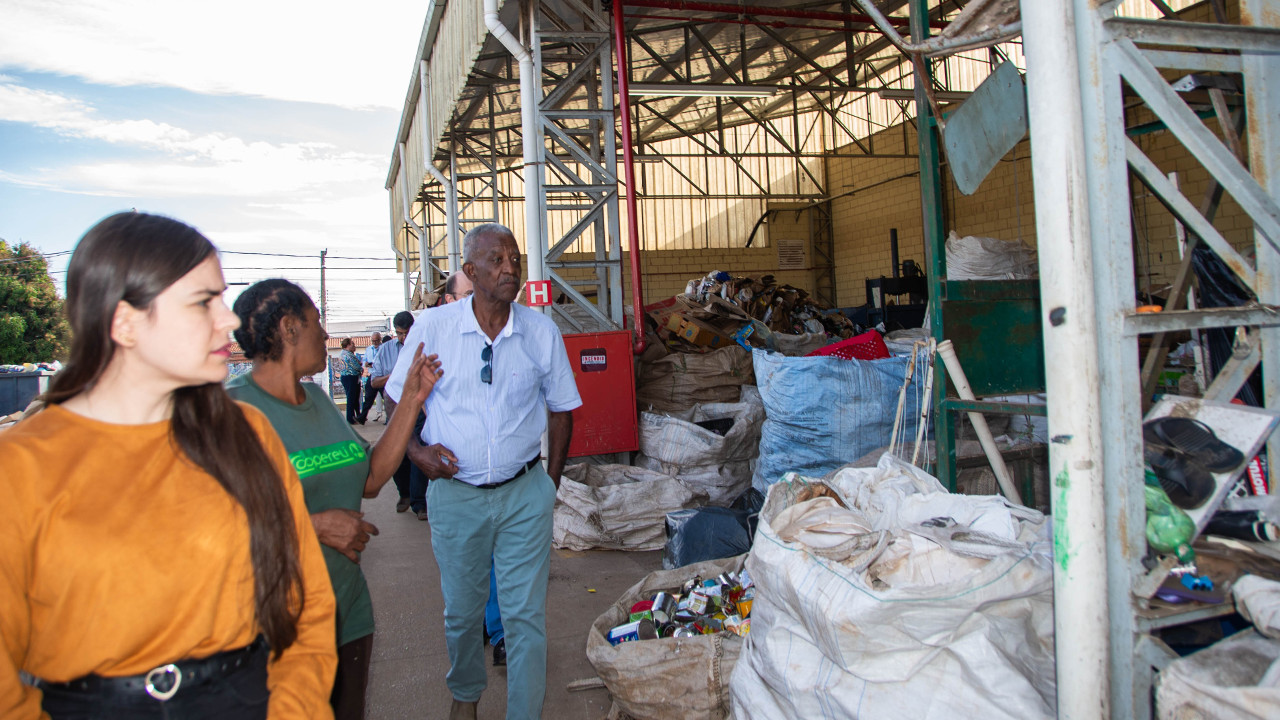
(383, 364)
(506, 380)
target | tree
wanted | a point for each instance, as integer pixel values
(32, 325)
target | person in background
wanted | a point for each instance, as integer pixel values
(349, 371)
(370, 395)
(156, 556)
(280, 332)
(506, 380)
(388, 354)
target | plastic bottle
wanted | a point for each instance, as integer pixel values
(1169, 529)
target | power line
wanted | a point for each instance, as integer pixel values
(313, 267)
(33, 258)
(313, 256)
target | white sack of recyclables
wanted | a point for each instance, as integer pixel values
(617, 507)
(883, 616)
(984, 258)
(1236, 678)
(1258, 600)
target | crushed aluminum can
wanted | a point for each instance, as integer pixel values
(633, 631)
(684, 631)
(643, 615)
(664, 608)
(738, 626)
(744, 607)
(699, 603)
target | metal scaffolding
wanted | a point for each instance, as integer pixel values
(1079, 85)
(734, 108)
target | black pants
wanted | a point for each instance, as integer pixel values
(352, 680)
(370, 397)
(241, 694)
(351, 386)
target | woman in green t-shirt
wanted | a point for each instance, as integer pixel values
(280, 332)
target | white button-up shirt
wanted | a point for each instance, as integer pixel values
(493, 429)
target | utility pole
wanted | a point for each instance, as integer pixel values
(324, 299)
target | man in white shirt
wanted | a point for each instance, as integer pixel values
(506, 379)
(370, 395)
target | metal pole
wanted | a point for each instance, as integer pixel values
(1072, 377)
(531, 136)
(324, 298)
(1262, 101)
(935, 253)
(623, 65)
(450, 192)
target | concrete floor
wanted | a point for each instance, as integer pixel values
(409, 658)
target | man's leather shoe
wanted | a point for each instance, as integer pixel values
(402, 505)
(462, 710)
(500, 653)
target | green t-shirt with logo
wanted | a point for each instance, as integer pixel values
(333, 462)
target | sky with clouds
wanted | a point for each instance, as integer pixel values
(268, 125)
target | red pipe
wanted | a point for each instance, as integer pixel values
(772, 12)
(623, 65)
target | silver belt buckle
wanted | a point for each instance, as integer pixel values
(163, 671)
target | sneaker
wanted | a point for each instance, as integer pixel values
(402, 505)
(500, 653)
(422, 514)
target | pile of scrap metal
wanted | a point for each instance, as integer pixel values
(720, 309)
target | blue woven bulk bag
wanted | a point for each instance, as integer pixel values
(824, 412)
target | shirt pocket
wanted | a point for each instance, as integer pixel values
(524, 386)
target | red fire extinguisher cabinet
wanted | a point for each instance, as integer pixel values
(604, 369)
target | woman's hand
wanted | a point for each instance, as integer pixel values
(344, 531)
(422, 377)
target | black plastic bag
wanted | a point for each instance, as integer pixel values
(1218, 287)
(711, 533)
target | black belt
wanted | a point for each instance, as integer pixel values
(519, 474)
(164, 681)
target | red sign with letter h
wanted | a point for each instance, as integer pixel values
(538, 292)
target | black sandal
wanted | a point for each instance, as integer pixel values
(1187, 483)
(1194, 438)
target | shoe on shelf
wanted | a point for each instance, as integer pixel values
(500, 653)
(422, 514)
(402, 504)
(1194, 438)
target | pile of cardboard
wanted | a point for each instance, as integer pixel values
(720, 310)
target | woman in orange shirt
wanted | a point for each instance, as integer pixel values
(156, 556)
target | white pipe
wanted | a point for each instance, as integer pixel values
(948, 353)
(450, 192)
(531, 135)
(1072, 377)
(407, 208)
(424, 244)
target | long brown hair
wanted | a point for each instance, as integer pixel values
(133, 257)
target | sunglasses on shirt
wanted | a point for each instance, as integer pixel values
(486, 372)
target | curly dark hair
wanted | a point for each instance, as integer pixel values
(260, 308)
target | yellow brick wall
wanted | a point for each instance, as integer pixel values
(667, 272)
